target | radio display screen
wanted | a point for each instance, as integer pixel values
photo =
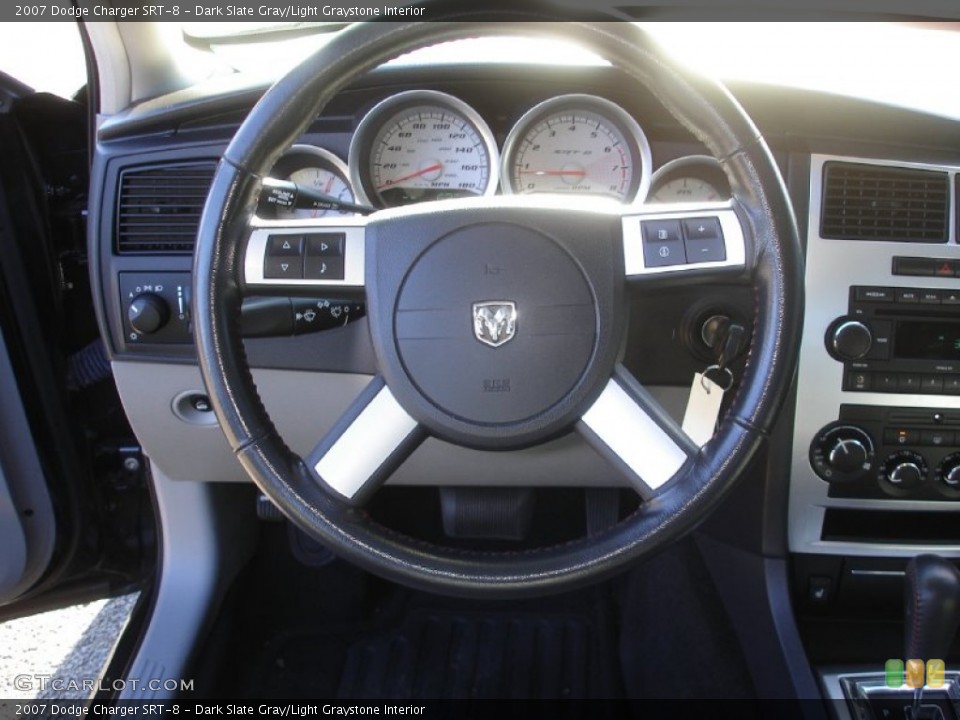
(927, 340)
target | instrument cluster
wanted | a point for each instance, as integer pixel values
(423, 145)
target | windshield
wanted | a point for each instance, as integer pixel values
(897, 64)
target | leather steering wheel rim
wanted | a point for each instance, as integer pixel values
(774, 263)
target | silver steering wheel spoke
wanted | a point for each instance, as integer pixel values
(369, 442)
(628, 426)
(674, 241)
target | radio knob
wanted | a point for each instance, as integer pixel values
(851, 340)
(148, 313)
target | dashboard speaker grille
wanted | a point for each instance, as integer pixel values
(158, 211)
(873, 202)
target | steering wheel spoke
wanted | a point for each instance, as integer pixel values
(373, 437)
(629, 427)
(315, 254)
(662, 242)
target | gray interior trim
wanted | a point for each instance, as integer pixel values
(27, 523)
(208, 533)
(305, 406)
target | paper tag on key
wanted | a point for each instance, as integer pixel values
(703, 409)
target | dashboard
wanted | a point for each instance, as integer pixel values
(869, 452)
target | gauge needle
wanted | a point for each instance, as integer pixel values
(410, 176)
(579, 173)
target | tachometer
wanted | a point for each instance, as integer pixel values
(422, 145)
(577, 144)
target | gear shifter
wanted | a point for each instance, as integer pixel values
(932, 602)
(932, 615)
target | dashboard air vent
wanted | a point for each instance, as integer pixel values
(873, 202)
(159, 207)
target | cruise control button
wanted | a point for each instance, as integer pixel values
(662, 243)
(283, 267)
(702, 229)
(657, 232)
(284, 245)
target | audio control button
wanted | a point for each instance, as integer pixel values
(951, 384)
(857, 381)
(908, 383)
(885, 382)
(850, 340)
(875, 294)
(931, 384)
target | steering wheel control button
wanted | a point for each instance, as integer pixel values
(662, 243)
(283, 267)
(325, 244)
(325, 256)
(703, 239)
(284, 246)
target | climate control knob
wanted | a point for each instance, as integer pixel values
(850, 340)
(902, 472)
(841, 453)
(147, 313)
(948, 474)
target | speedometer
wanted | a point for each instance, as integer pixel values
(422, 145)
(577, 144)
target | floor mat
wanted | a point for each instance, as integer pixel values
(429, 652)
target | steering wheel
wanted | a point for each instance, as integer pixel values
(551, 322)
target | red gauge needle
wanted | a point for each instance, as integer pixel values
(579, 173)
(410, 176)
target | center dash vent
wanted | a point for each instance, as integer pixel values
(159, 207)
(873, 202)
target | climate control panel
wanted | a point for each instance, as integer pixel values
(890, 452)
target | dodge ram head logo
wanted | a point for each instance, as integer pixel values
(495, 322)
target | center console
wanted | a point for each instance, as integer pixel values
(875, 465)
(875, 469)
